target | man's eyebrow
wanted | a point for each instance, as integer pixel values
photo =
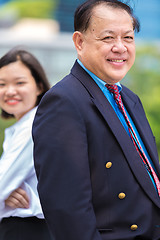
(112, 32)
(130, 31)
(108, 31)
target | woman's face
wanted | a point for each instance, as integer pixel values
(18, 89)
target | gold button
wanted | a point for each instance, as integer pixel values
(121, 195)
(134, 227)
(108, 165)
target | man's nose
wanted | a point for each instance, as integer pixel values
(119, 47)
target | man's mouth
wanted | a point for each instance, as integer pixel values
(116, 60)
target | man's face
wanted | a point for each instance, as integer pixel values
(107, 48)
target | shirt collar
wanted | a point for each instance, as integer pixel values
(97, 79)
(20, 122)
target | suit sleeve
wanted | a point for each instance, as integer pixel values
(62, 166)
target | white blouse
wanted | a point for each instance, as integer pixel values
(17, 168)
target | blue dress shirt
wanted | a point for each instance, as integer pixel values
(110, 98)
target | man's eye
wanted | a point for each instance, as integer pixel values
(2, 84)
(129, 37)
(108, 38)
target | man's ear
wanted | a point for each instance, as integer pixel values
(78, 40)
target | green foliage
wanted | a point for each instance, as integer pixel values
(30, 8)
(144, 80)
(4, 124)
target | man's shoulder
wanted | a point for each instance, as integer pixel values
(71, 82)
(66, 84)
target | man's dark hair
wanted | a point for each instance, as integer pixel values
(38, 73)
(84, 12)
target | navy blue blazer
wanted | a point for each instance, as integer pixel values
(91, 180)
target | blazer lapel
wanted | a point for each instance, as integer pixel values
(118, 130)
(143, 129)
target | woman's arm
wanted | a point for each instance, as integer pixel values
(16, 164)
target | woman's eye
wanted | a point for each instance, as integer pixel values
(20, 83)
(2, 84)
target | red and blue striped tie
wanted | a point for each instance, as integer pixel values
(117, 97)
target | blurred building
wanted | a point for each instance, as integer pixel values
(3, 1)
(147, 11)
(65, 14)
(54, 48)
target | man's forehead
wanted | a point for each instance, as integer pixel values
(109, 15)
(103, 11)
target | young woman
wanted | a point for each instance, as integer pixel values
(22, 84)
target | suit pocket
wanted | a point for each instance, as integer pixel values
(104, 230)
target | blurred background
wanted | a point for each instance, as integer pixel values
(45, 28)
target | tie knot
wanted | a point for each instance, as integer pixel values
(113, 89)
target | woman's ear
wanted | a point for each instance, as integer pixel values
(39, 89)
